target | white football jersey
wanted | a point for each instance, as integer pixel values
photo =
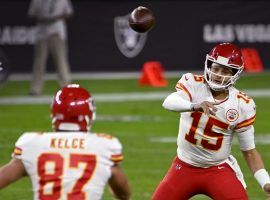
(204, 140)
(68, 165)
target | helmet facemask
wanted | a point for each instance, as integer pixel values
(226, 81)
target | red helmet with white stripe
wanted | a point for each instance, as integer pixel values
(72, 109)
(228, 55)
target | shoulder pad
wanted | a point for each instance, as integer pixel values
(26, 138)
(247, 110)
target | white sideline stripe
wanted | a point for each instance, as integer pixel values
(259, 139)
(113, 97)
(127, 118)
(96, 75)
(108, 75)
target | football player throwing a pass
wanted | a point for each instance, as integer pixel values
(212, 112)
(71, 163)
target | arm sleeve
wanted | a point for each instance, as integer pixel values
(22, 145)
(245, 128)
(186, 85)
(246, 139)
(116, 154)
(177, 101)
(181, 100)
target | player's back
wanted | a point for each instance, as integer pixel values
(68, 165)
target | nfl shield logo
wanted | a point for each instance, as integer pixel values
(129, 42)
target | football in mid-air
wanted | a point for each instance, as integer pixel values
(141, 19)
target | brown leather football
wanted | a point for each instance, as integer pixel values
(141, 19)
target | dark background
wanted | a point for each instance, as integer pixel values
(176, 40)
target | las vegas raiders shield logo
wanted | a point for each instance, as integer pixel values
(129, 42)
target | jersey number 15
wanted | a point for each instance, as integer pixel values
(208, 132)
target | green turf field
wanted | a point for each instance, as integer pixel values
(135, 123)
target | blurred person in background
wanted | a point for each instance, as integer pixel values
(212, 112)
(51, 37)
(72, 162)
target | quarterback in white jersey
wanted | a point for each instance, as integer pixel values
(212, 111)
(71, 163)
(205, 140)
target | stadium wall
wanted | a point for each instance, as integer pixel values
(99, 39)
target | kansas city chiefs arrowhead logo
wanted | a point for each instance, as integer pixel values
(232, 115)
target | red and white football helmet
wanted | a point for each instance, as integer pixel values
(72, 109)
(228, 55)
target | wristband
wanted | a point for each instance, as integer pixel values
(262, 177)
